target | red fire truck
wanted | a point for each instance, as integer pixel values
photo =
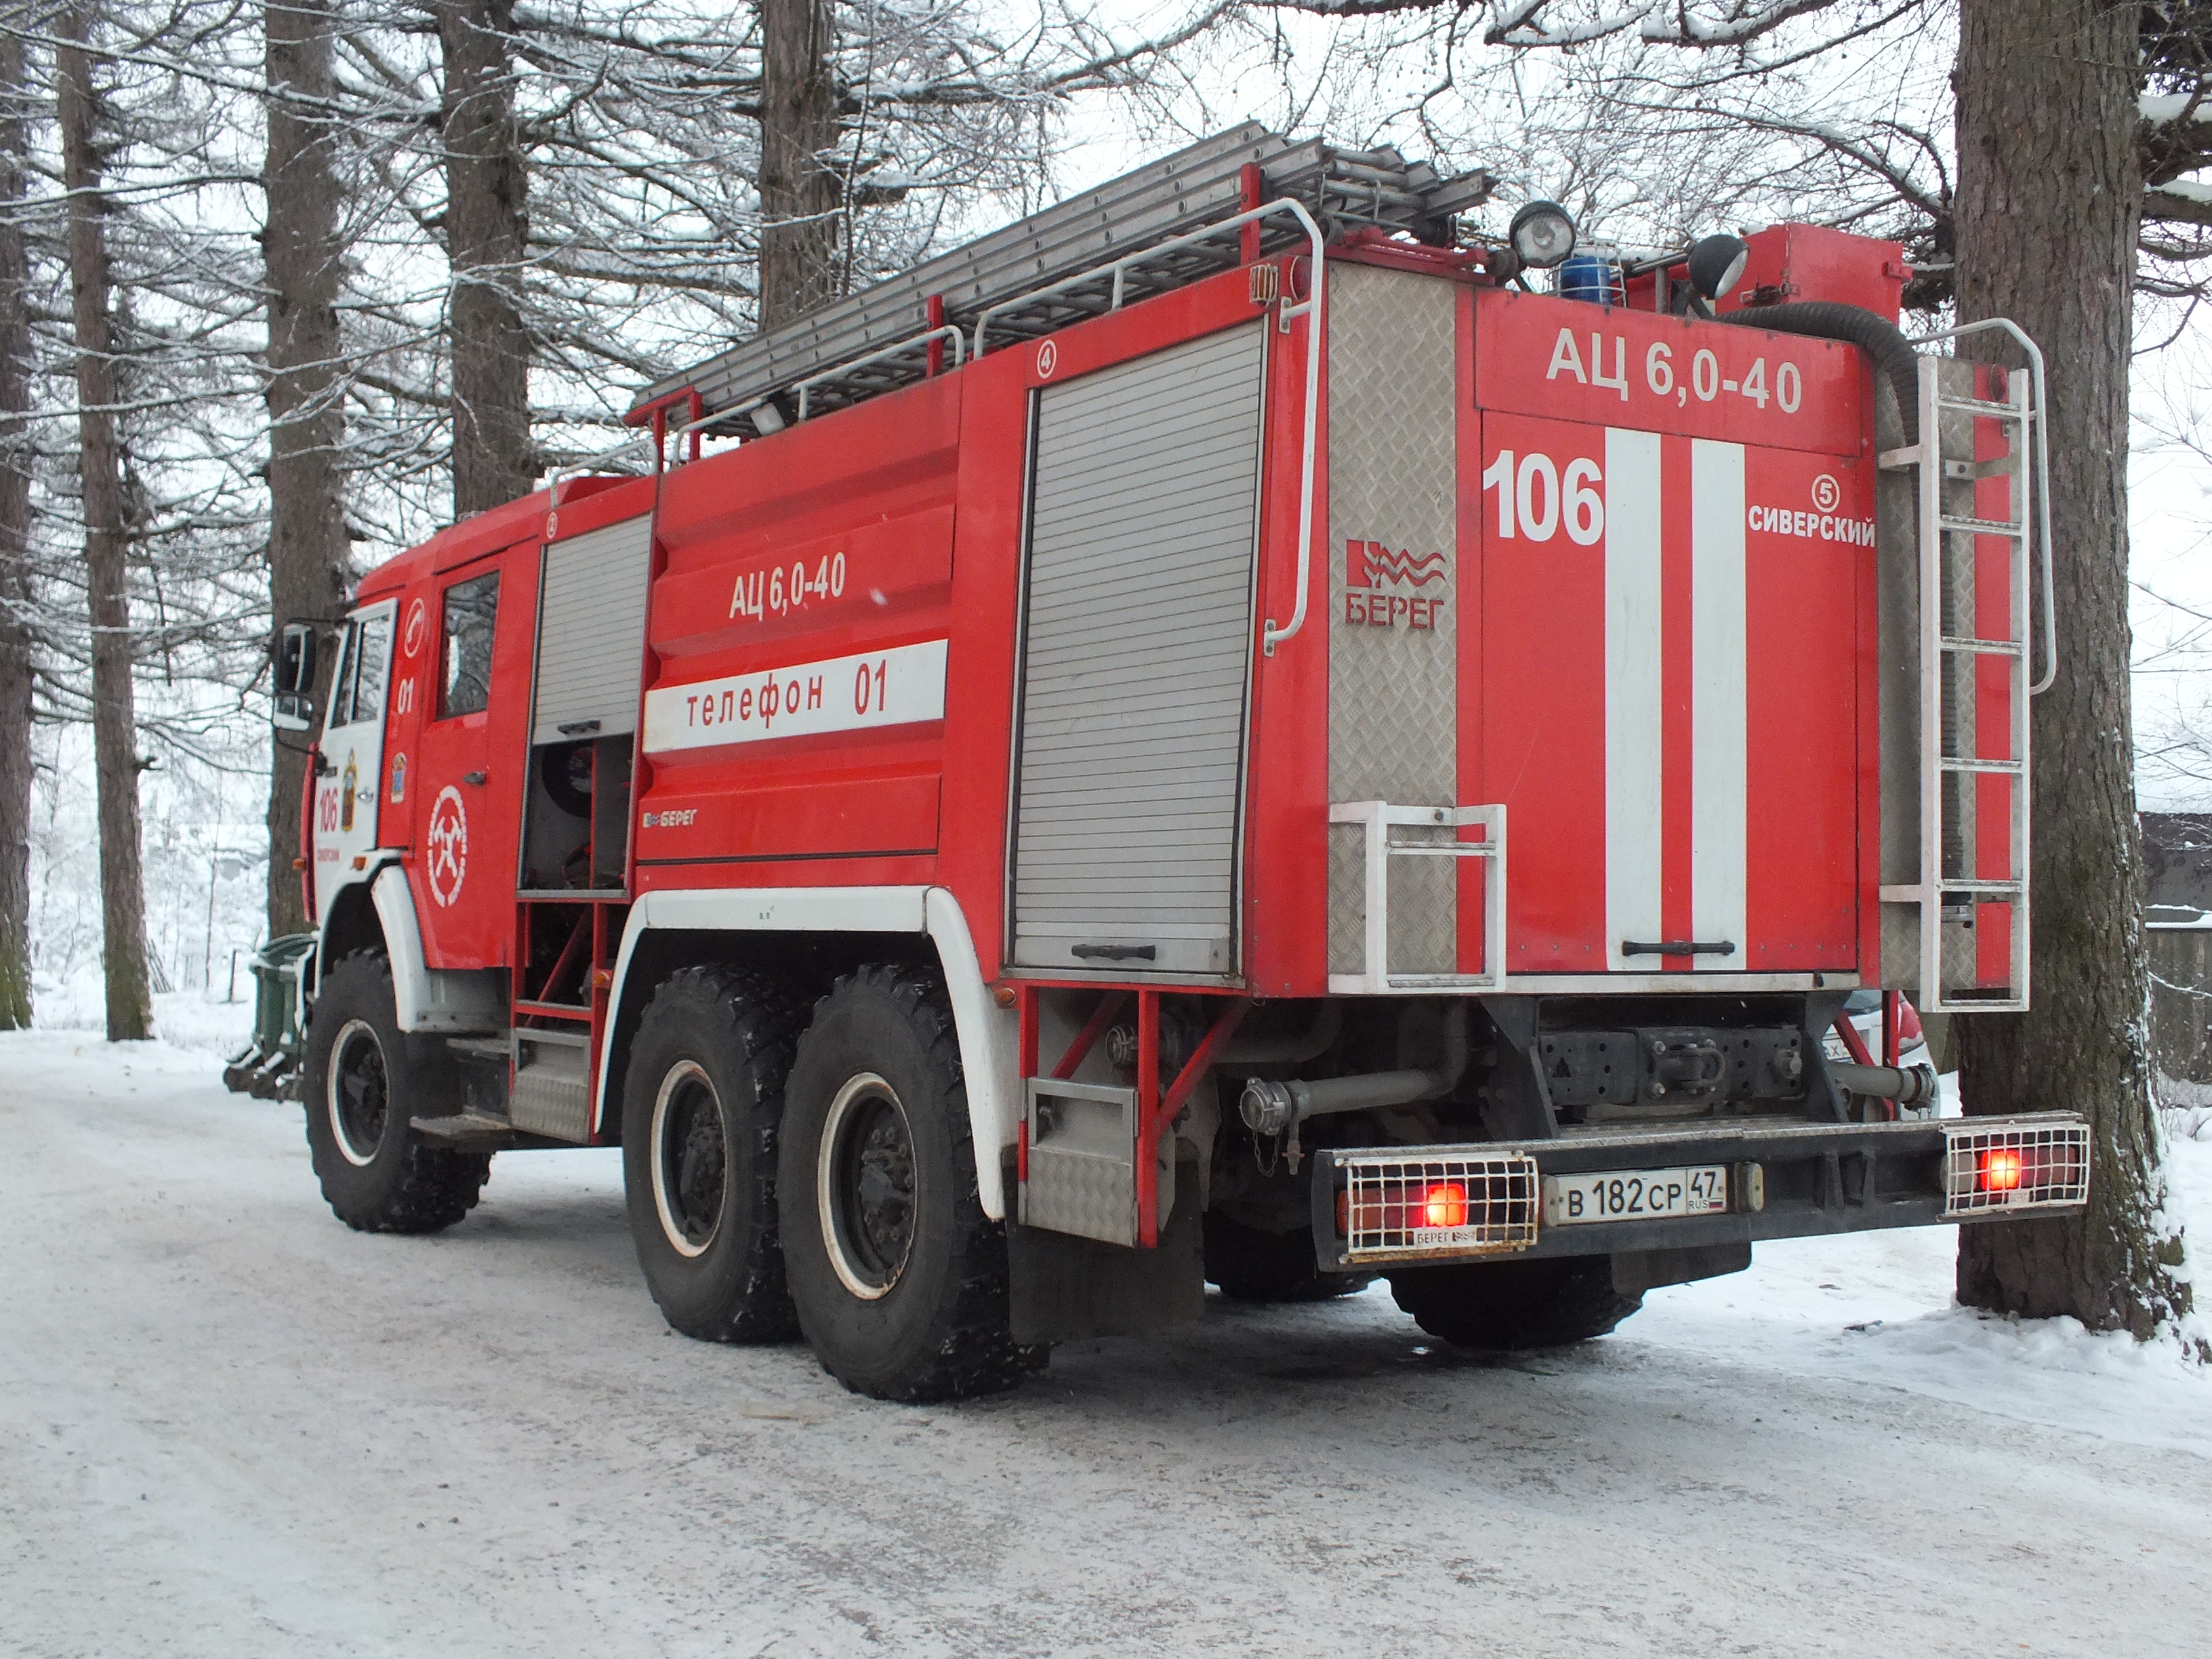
(1234, 731)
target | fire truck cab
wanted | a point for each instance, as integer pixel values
(1214, 735)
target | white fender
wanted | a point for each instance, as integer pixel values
(989, 1036)
(990, 1047)
(430, 999)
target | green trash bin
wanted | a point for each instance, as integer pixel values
(265, 1065)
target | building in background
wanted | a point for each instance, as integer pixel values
(2178, 915)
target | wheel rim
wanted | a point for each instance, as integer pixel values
(359, 1095)
(690, 1159)
(865, 1186)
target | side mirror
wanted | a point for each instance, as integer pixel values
(296, 660)
(294, 706)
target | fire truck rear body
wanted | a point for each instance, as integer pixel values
(1483, 757)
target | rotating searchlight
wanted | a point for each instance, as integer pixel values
(1542, 234)
(1715, 262)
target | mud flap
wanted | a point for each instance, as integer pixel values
(1062, 1288)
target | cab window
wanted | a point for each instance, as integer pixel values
(372, 650)
(342, 682)
(470, 610)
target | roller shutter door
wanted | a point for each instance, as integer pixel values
(1138, 630)
(591, 630)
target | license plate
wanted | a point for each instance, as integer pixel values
(1635, 1195)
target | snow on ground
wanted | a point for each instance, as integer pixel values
(230, 1427)
(195, 1019)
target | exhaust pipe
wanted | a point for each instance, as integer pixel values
(1269, 1109)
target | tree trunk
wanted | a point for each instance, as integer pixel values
(486, 228)
(2048, 191)
(801, 191)
(114, 714)
(16, 663)
(307, 544)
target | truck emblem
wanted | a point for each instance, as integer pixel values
(1826, 493)
(447, 843)
(1047, 359)
(399, 777)
(1369, 564)
(412, 641)
(1371, 570)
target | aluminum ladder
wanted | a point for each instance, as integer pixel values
(1028, 275)
(1982, 503)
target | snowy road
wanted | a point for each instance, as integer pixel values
(230, 1427)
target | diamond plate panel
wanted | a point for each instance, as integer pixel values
(1393, 714)
(1082, 1175)
(550, 1097)
(1083, 1194)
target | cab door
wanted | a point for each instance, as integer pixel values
(352, 753)
(468, 770)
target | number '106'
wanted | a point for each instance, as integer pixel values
(1535, 500)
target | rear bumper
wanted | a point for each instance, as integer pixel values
(1782, 1180)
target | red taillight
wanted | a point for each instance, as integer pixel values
(2001, 1170)
(1415, 1206)
(1444, 1205)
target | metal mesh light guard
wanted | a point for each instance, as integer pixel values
(1489, 1203)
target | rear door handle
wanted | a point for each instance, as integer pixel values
(474, 777)
(1677, 947)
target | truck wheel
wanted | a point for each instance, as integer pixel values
(700, 1105)
(1507, 1305)
(364, 1081)
(899, 1278)
(1251, 1266)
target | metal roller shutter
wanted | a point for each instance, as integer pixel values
(591, 631)
(1137, 629)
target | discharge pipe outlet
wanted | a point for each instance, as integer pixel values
(1269, 1109)
(1904, 1084)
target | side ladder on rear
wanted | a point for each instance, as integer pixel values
(1982, 497)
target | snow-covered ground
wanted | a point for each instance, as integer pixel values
(230, 1427)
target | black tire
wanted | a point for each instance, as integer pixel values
(701, 1102)
(364, 1082)
(1508, 1306)
(1251, 1266)
(899, 1278)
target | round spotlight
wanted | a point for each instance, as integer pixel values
(1542, 234)
(1715, 262)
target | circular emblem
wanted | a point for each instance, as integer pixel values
(1047, 360)
(1826, 493)
(412, 641)
(446, 846)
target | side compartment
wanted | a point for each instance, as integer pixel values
(1136, 663)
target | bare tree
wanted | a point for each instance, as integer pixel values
(115, 727)
(487, 232)
(16, 599)
(307, 544)
(2049, 159)
(801, 191)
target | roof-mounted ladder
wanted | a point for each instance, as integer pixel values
(1070, 262)
(1982, 436)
